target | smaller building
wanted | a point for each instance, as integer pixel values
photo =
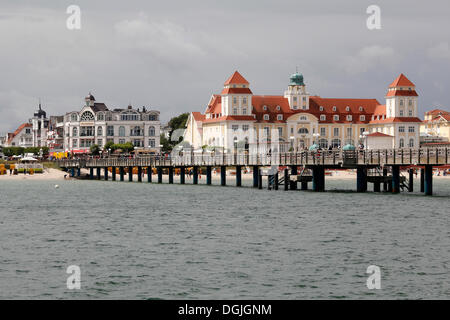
(40, 127)
(378, 140)
(22, 137)
(436, 127)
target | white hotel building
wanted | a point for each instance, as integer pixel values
(96, 124)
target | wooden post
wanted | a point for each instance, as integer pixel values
(428, 180)
(160, 174)
(106, 173)
(149, 174)
(113, 173)
(98, 173)
(208, 175)
(130, 174)
(286, 179)
(361, 179)
(395, 179)
(195, 175)
(422, 180)
(122, 173)
(139, 174)
(223, 175)
(238, 176)
(255, 176)
(182, 175)
(171, 175)
(91, 173)
(411, 180)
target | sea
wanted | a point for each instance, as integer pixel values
(130, 240)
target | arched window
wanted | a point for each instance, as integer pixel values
(100, 116)
(87, 116)
(323, 143)
(151, 131)
(303, 118)
(121, 131)
(75, 132)
(99, 131)
(411, 143)
(302, 131)
(136, 131)
(402, 143)
(335, 143)
(73, 117)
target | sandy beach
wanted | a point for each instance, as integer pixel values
(48, 174)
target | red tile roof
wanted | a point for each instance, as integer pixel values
(236, 78)
(236, 91)
(379, 134)
(397, 119)
(401, 81)
(230, 118)
(402, 93)
(437, 111)
(198, 116)
(18, 130)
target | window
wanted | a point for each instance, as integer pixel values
(322, 132)
(151, 143)
(334, 108)
(153, 117)
(280, 132)
(121, 131)
(75, 132)
(321, 108)
(244, 101)
(401, 102)
(402, 143)
(245, 127)
(349, 132)
(336, 117)
(264, 107)
(303, 118)
(75, 143)
(304, 99)
(266, 117)
(99, 131)
(137, 143)
(336, 132)
(279, 117)
(411, 143)
(362, 118)
(278, 108)
(401, 129)
(302, 131)
(235, 111)
(336, 143)
(401, 113)
(244, 110)
(87, 132)
(361, 109)
(323, 143)
(410, 102)
(100, 116)
(347, 108)
(266, 131)
(74, 117)
(129, 117)
(110, 131)
(362, 130)
(121, 141)
(100, 142)
(151, 131)
(234, 100)
(410, 113)
(349, 117)
(87, 116)
(27, 130)
(295, 99)
(235, 127)
(323, 117)
(136, 131)
(411, 129)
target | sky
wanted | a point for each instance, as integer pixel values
(173, 55)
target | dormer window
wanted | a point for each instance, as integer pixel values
(334, 109)
(280, 117)
(321, 108)
(347, 108)
(349, 117)
(362, 118)
(278, 108)
(266, 117)
(361, 109)
(264, 108)
(323, 117)
(336, 117)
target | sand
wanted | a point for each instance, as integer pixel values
(48, 174)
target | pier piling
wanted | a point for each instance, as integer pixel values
(182, 175)
(171, 175)
(223, 175)
(160, 172)
(294, 173)
(106, 173)
(286, 179)
(195, 177)
(361, 179)
(395, 179)
(98, 173)
(411, 180)
(122, 173)
(422, 180)
(91, 173)
(255, 177)
(208, 175)
(428, 180)
(130, 174)
(113, 173)
(139, 174)
(318, 178)
(238, 176)
(149, 174)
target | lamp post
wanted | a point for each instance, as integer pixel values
(292, 142)
(315, 136)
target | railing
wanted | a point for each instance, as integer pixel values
(438, 156)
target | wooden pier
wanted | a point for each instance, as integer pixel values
(380, 167)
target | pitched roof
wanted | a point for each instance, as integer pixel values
(236, 78)
(402, 93)
(379, 134)
(230, 118)
(99, 107)
(397, 119)
(437, 111)
(236, 91)
(401, 81)
(198, 116)
(11, 136)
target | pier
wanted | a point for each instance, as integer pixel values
(378, 167)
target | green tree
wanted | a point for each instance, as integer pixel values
(95, 150)
(178, 122)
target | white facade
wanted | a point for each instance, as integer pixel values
(95, 124)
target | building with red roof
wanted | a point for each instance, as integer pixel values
(436, 124)
(297, 119)
(21, 137)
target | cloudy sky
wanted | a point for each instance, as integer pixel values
(172, 55)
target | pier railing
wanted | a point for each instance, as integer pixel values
(437, 156)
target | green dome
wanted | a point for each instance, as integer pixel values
(349, 147)
(314, 147)
(296, 80)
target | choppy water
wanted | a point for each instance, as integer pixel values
(147, 241)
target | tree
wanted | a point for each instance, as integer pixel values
(109, 145)
(178, 122)
(95, 150)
